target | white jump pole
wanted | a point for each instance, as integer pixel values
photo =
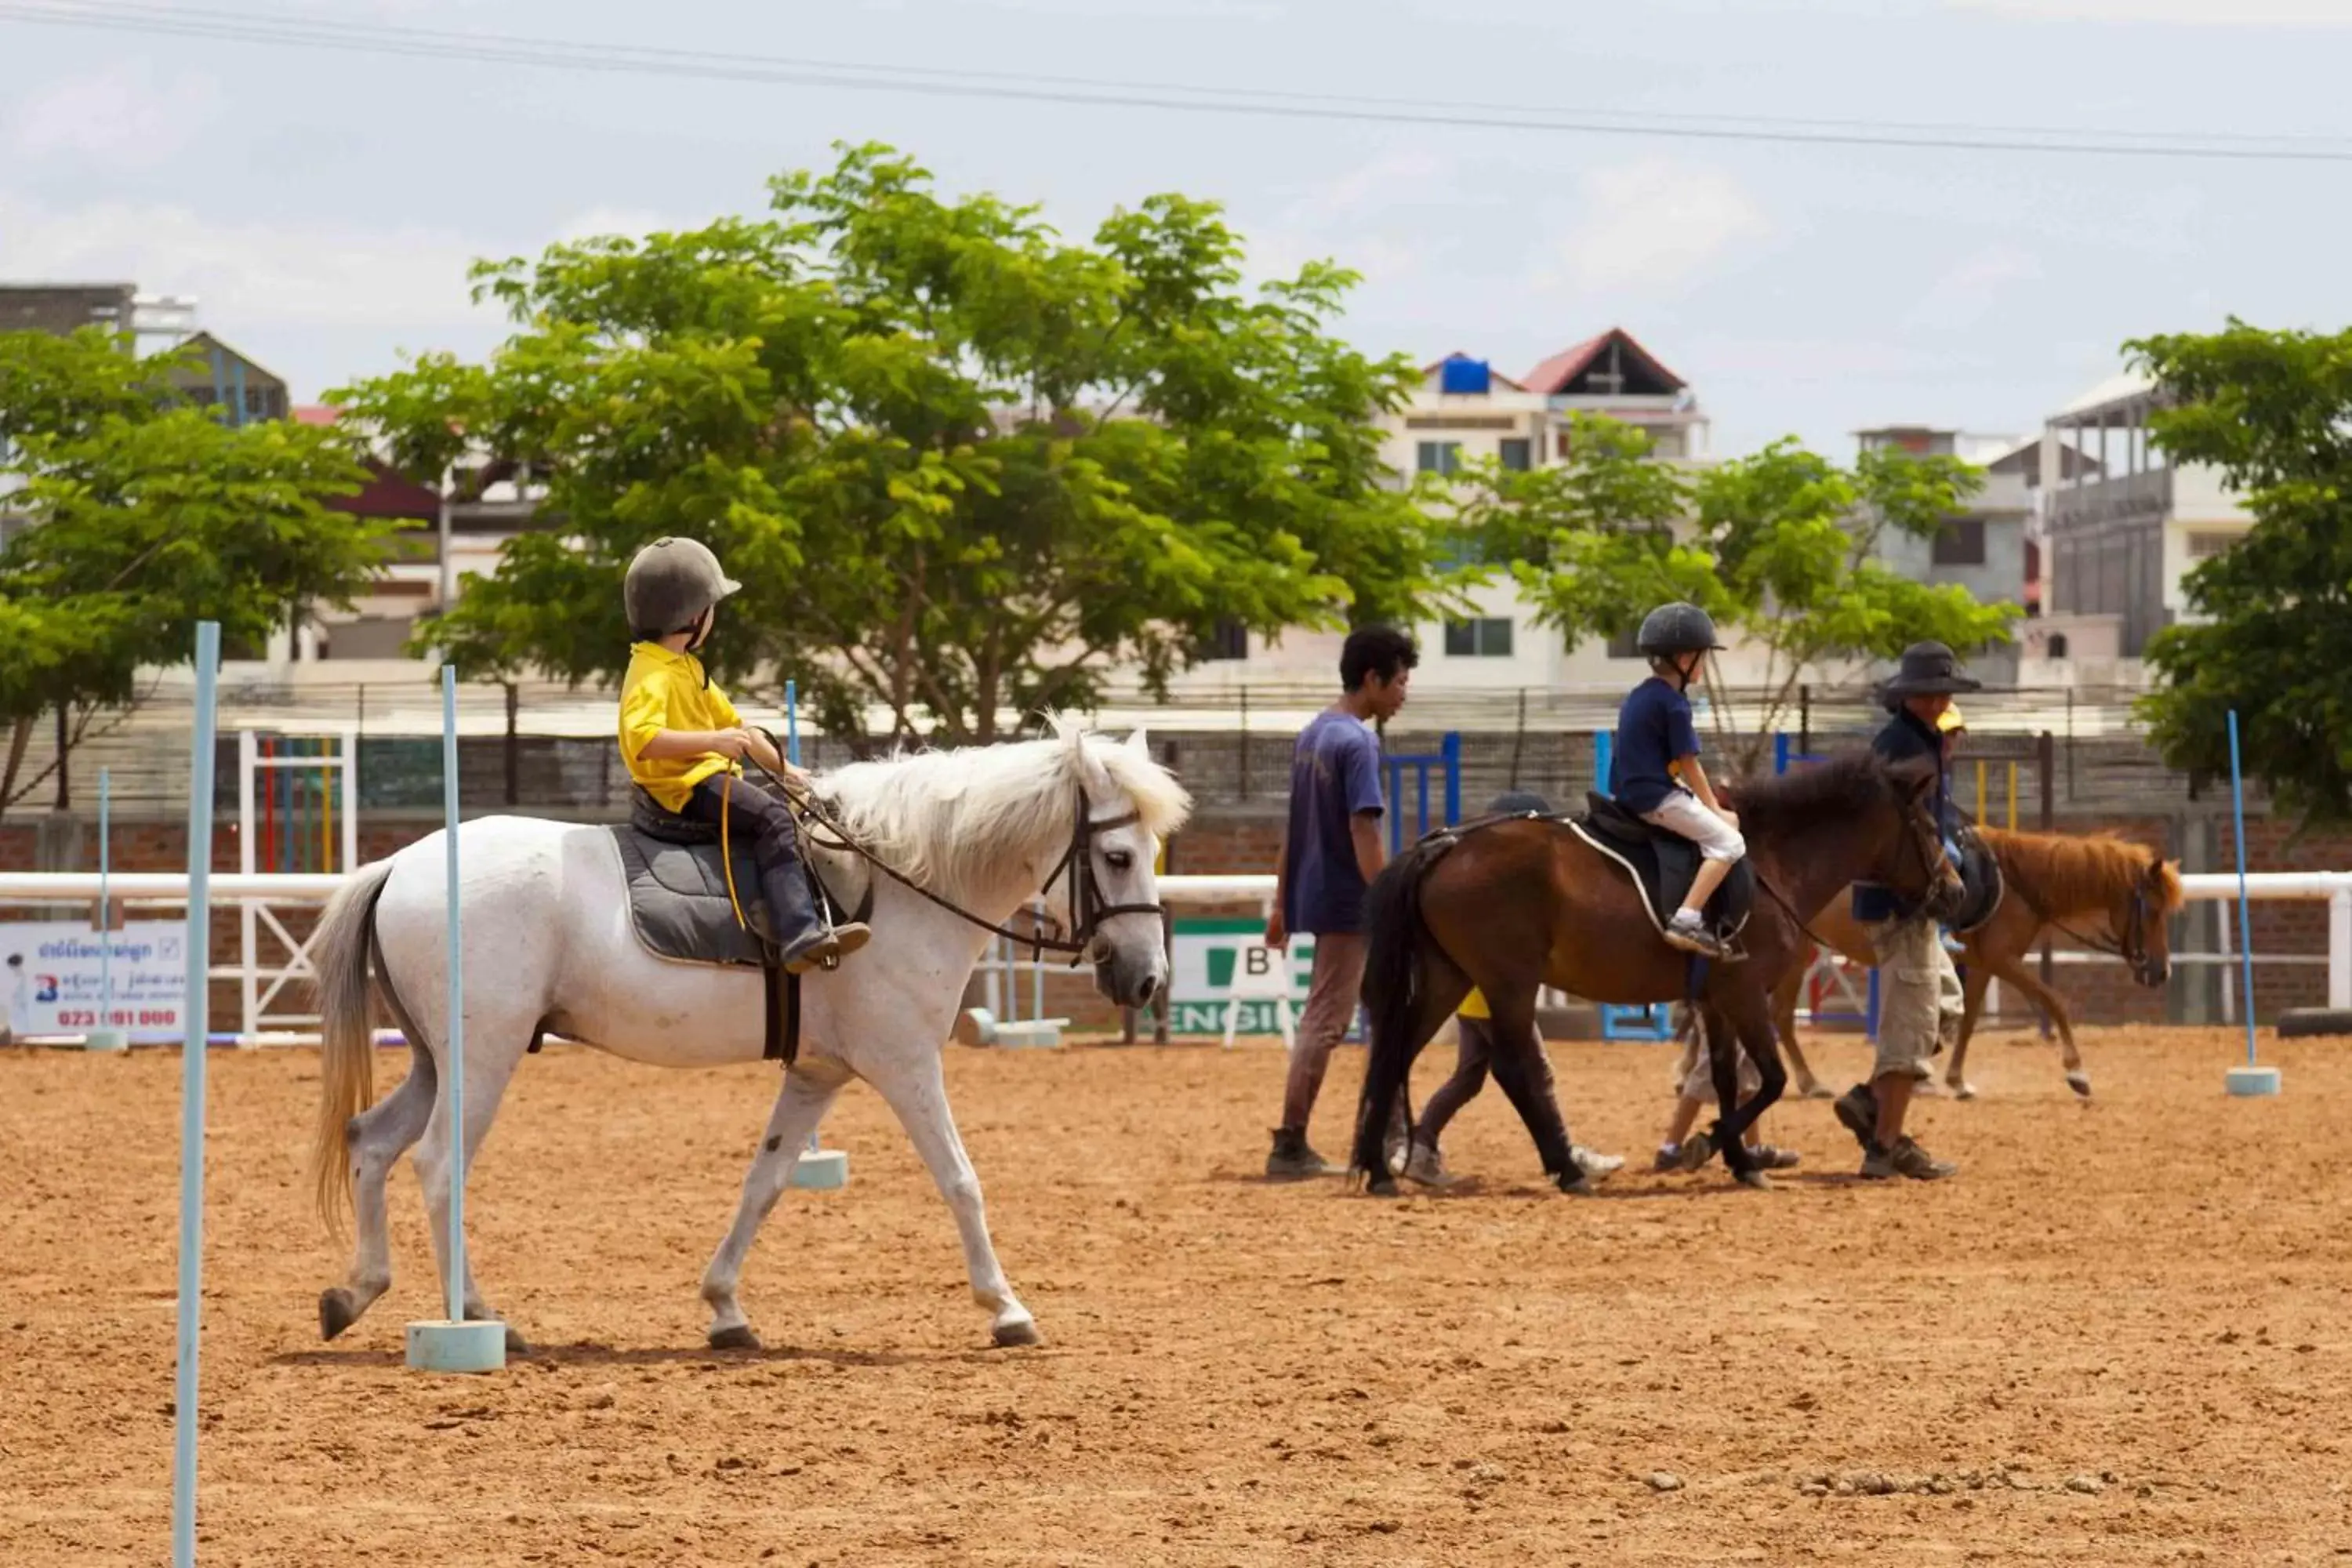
(196, 1015)
(819, 1168)
(453, 1344)
(104, 1036)
(2253, 1078)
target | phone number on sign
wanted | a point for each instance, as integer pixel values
(161, 1019)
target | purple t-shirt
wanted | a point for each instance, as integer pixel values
(1335, 772)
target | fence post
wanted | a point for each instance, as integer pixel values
(2339, 948)
(2045, 759)
(1450, 749)
(514, 747)
(1805, 723)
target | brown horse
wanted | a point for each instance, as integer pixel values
(1517, 903)
(2106, 892)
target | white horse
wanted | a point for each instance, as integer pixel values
(549, 947)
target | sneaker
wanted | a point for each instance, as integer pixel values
(1912, 1160)
(1291, 1160)
(1669, 1157)
(1593, 1163)
(1857, 1111)
(1770, 1157)
(1425, 1165)
(1693, 937)
(1877, 1164)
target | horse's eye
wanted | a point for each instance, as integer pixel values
(1118, 860)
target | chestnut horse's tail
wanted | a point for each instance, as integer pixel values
(1395, 936)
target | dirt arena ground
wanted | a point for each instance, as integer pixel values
(2120, 1337)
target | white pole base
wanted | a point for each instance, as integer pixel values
(106, 1040)
(1044, 1033)
(2249, 1082)
(822, 1169)
(436, 1346)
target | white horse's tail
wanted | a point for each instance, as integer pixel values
(347, 1056)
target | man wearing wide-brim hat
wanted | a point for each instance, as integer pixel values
(1919, 990)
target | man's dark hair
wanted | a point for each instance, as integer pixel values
(1383, 651)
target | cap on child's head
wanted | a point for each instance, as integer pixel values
(1949, 720)
(1518, 800)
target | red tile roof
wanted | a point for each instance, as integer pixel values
(1570, 363)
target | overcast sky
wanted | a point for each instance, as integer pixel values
(324, 205)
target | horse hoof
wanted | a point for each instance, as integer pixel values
(1575, 1183)
(1381, 1186)
(1010, 1336)
(1929, 1089)
(1756, 1179)
(1963, 1091)
(2080, 1082)
(336, 1312)
(738, 1338)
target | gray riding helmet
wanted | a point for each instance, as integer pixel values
(1512, 801)
(669, 584)
(1676, 628)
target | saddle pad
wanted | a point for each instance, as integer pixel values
(1662, 869)
(677, 900)
(1981, 874)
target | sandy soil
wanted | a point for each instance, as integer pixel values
(2119, 1337)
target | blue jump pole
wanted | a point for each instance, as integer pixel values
(454, 1344)
(192, 1098)
(103, 1036)
(2251, 1079)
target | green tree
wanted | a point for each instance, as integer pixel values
(1779, 547)
(963, 464)
(133, 519)
(2272, 635)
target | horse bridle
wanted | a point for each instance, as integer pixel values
(2131, 946)
(1087, 910)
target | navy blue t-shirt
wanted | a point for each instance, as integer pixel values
(1654, 728)
(1335, 772)
(1904, 737)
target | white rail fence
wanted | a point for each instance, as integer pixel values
(261, 977)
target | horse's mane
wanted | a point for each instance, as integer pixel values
(2072, 874)
(1804, 797)
(953, 820)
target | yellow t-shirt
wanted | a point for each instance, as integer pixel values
(666, 690)
(1474, 1005)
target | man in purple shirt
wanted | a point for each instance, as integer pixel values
(1330, 852)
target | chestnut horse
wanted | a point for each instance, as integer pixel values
(1516, 903)
(2106, 892)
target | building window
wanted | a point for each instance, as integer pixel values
(1487, 637)
(1960, 543)
(1438, 457)
(1517, 456)
(2204, 545)
(1622, 644)
(2057, 645)
(1227, 639)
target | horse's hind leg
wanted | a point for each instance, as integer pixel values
(490, 1067)
(1744, 1019)
(374, 1142)
(918, 1092)
(1784, 1025)
(807, 1092)
(2042, 996)
(1972, 995)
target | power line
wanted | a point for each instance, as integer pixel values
(559, 55)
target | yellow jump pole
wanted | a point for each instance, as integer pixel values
(2012, 797)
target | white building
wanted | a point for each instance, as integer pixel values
(2124, 527)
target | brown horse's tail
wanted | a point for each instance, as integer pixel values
(347, 1056)
(1395, 936)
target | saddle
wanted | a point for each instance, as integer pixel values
(1663, 866)
(1981, 875)
(676, 872)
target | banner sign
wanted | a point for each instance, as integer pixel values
(49, 979)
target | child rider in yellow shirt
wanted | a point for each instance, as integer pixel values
(684, 743)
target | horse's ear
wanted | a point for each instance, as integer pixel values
(1139, 745)
(1913, 776)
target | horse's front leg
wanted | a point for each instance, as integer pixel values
(1746, 1017)
(2047, 1000)
(916, 1088)
(808, 1090)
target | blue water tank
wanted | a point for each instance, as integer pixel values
(1466, 378)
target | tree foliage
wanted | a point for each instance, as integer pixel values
(2272, 633)
(137, 519)
(1780, 547)
(961, 464)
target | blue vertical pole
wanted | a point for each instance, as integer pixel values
(1779, 751)
(1605, 745)
(2245, 922)
(196, 1013)
(792, 722)
(1451, 750)
(457, 1030)
(105, 903)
